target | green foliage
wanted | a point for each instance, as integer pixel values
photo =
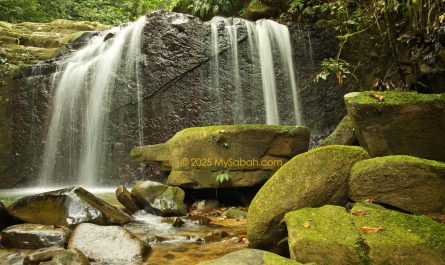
(341, 68)
(419, 20)
(208, 8)
(223, 176)
(105, 11)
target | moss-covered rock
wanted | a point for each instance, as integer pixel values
(402, 123)
(250, 257)
(33, 236)
(67, 207)
(342, 135)
(368, 235)
(159, 199)
(248, 153)
(258, 10)
(312, 179)
(409, 183)
(235, 213)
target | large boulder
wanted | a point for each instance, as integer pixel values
(369, 234)
(107, 243)
(251, 257)
(157, 198)
(342, 135)
(312, 179)
(250, 154)
(33, 236)
(399, 123)
(409, 183)
(67, 207)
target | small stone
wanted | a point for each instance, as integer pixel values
(178, 222)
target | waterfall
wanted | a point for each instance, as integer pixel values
(271, 52)
(238, 113)
(82, 88)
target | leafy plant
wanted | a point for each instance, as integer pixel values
(223, 176)
(206, 8)
(341, 68)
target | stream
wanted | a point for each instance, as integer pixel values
(190, 244)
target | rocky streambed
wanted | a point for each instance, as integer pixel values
(207, 233)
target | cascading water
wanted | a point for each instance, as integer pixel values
(237, 109)
(82, 89)
(266, 38)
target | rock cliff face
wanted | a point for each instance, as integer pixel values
(176, 90)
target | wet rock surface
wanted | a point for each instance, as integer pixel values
(125, 198)
(409, 183)
(312, 179)
(369, 234)
(195, 157)
(177, 65)
(159, 199)
(399, 124)
(33, 236)
(67, 207)
(107, 243)
(56, 256)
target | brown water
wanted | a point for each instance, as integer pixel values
(183, 245)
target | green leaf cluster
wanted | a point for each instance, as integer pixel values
(110, 12)
(223, 176)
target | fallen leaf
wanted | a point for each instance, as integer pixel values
(377, 96)
(360, 212)
(370, 230)
(306, 225)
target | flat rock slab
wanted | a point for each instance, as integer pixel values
(33, 236)
(67, 207)
(196, 156)
(409, 183)
(56, 256)
(312, 179)
(107, 243)
(402, 123)
(369, 234)
(251, 257)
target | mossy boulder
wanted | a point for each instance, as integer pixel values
(258, 10)
(250, 154)
(400, 123)
(342, 135)
(67, 207)
(33, 236)
(159, 199)
(312, 179)
(251, 257)
(413, 184)
(369, 234)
